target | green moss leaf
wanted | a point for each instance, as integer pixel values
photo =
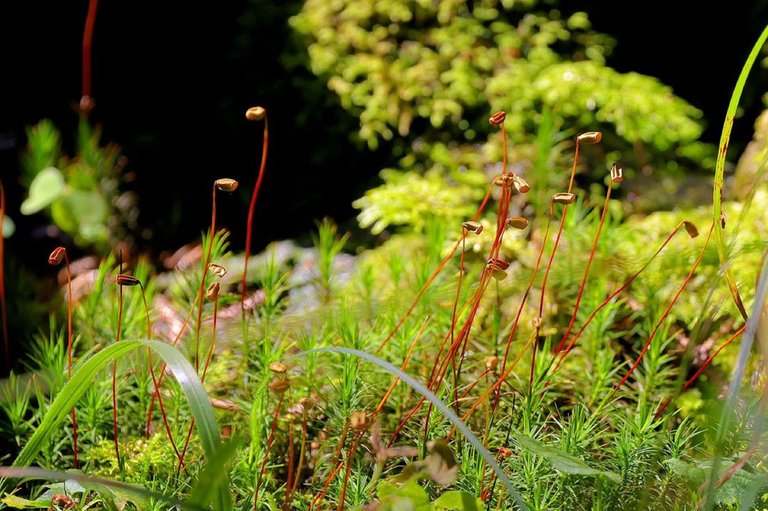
(47, 186)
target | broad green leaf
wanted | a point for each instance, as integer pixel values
(81, 212)
(563, 461)
(458, 500)
(47, 186)
(444, 409)
(16, 502)
(409, 496)
(86, 371)
(8, 227)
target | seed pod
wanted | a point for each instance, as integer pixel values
(127, 280)
(217, 270)
(498, 268)
(56, 256)
(521, 185)
(617, 173)
(307, 402)
(537, 322)
(86, 104)
(504, 452)
(212, 293)
(590, 137)
(226, 184)
(277, 367)
(498, 180)
(491, 363)
(690, 228)
(359, 421)
(255, 113)
(279, 385)
(498, 118)
(564, 198)
(473, 226)
(517, 222)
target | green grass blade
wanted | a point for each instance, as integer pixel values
(717, 192)
(213, 476)
(432, 398)
(86, 371)
(89, 481)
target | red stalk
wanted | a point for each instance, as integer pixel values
(252, 209)
(701, 369)
(666, 312)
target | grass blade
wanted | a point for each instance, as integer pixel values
(717, 192)
(214, 476)
(89, 481)
(432, 398)
(86, 371)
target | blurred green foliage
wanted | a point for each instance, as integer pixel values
(81, 194)
(430, 74)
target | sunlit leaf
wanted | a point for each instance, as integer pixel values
(47, 186)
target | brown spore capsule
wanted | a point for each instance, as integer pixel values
(212, 293)
(256, 113)
(590, 137)
(278, 367)
(127, 280)
(279, 385)
(498, 118)
(472, 226)
(690, 229)
(517, 222)
(498, 268)
(226, 184)
(217, 270)
(564, 198)
(617, 173)
(56, 256)
(521, 185)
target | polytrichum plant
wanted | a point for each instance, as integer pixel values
(58, 255)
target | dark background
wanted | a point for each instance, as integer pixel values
(173, 79)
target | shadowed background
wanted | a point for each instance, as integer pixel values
(172, 81)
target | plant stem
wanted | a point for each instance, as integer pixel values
(251, 210)
(69, 355)
(90, 22)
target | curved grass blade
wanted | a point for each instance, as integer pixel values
(90, 481)
(432, 398)
(717, 192)
(86, 371)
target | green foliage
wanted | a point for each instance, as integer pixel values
(81, 194)
(288, 370)
(431, 72)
